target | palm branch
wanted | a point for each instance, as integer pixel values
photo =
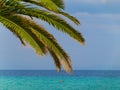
(18, 16)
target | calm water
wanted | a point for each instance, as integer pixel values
(51, 80)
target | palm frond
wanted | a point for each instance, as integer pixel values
(18, 17)
(17, 35)
(16, 5)
(57, 22)
(59, 3)
(69, 17)
(56, 60)
(50, 42)
(2, 2)
(47, 4)
(9, 23)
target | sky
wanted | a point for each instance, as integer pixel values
(100, 25)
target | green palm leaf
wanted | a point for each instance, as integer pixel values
(22, 33)
(69, 17)
(54, 5)
(39, 34)
(47, 4)
(59, 3)
(18, 16)
(56, 21)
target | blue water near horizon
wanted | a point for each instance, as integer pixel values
(52, 80)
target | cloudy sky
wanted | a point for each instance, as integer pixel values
(100, 25)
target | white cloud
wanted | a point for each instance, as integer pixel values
(94, 1)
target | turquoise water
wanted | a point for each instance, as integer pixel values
(59, 82)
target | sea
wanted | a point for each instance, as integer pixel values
(52, 80)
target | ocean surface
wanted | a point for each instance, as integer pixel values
(52, 80)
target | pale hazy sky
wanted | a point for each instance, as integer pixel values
(100, 25)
